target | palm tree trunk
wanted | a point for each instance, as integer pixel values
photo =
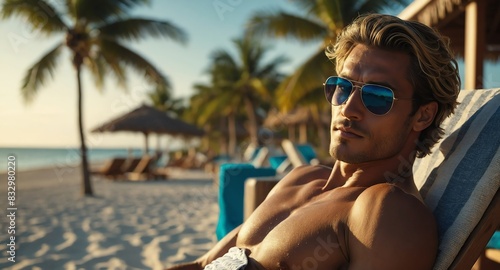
(231, 127)
(252, 119)
(86, 185)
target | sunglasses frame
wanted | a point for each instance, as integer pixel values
(360, 85)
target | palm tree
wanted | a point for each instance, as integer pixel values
(94, 33)
(245, 81)
(210, 107)
(321, 22)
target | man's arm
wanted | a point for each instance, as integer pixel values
(217, 251)
(390, 229)
(187, 266)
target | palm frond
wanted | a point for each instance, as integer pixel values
(282, 24)
(38, 73)
(116, 53)
(380, 5)
(99, 69)
(138, 28)
(259, 88)
(202, 89)
(217, 107)
(117, 68)
(271, 68)
(223, 57)
(102, 64)
(102, 10)
(224, 68)
(332, 13)
(309, 77)
(251, 53)
(39, 14)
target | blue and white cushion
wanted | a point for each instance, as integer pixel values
(462, 174)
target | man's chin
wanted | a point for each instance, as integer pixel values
(350, 158)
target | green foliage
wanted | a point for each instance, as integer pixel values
(321, 21)
(240, 84)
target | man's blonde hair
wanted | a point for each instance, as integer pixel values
(433, 70)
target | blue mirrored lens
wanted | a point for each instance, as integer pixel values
(337, 90)
(377, 99)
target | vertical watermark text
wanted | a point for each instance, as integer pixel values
(11, 207)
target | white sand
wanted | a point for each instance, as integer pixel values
(127, 225)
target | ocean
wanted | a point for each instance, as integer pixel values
(36, 158)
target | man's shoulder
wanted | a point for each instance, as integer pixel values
(393, 225)
(389, 195)
(387, 191)
(392, 201)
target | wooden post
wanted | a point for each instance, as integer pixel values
(475, 43)
(146, 144)
(303, 133)
(291, 132)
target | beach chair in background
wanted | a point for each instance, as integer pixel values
(145, 170)
(231, 181)
(260, 159)
(130, 164)
(459, 180)
(296, 155)
(250, 152)
(490, 259)
(232, 177)
(112, 168)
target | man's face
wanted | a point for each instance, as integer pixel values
(357, 135)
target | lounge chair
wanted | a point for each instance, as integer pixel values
(459, 181)
(296, 155)
(112, 168)
(145, 170)
(231, 182)
(130, 164)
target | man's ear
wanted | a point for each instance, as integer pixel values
(424, 116)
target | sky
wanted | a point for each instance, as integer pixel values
(51, 119)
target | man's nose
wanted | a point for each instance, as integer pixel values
(353, 107)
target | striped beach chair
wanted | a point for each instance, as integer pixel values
(459, 180)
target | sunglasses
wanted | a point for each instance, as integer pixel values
(377, 99)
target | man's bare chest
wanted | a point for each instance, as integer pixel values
(292, 227)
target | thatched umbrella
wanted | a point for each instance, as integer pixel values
(300, 117)
(146, 120)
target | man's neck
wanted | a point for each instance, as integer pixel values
(395, 170)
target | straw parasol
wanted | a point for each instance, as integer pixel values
(146, 119)
(299, 117)
(295, 117)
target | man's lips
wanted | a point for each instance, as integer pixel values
(348, 132)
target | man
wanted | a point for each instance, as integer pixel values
(397, 81)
